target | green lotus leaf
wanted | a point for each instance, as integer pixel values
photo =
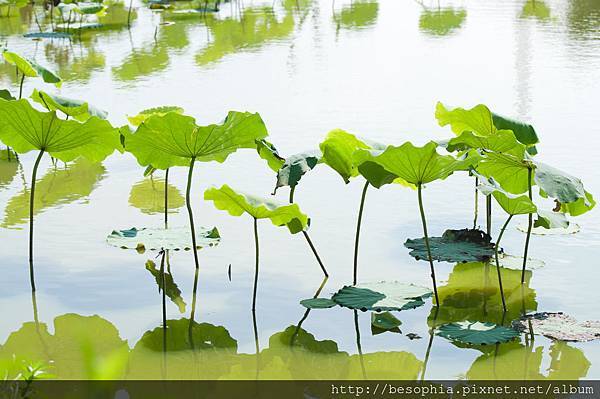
(502, 141)
(511, 203)
(295, 167)
(579, 207)
(516, 262)
(477, 120)
(551, 220)
(524, 132)
(442, 21)
(154, 239)
(236, 204)
(148, 196)
(416, 165)
(382, 322)
(559, 326)
(382, 296)
(338, 152)
(8, 167)
(375, 174)
(204, 336)
(160, 111)
(318, 303)
(454, 246)
(565, 188)
(77, 109)
(269, 153)
(5, 95)
(509, 171)
(31, 68)
(172, 139)
(58, 187)
(90, 8)
(27, 129)
(477, 333)
(171, 289)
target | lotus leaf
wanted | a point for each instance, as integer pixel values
(318, 303)
(145, 114)
(511, 203)
(173, 238)
(502, 141)
(77, 109)
(5, 95)
(171, 289)
(295, 167)
(559, 326)
(31, 68)
(382, 296)
(269, 153)
(226, 199)
(509, 171)
(477, 333)
(382, 322)
(454, 246)
(338, 152)
(563, 187)
(8, 167)
(516, 262)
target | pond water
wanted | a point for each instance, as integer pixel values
(372, 67)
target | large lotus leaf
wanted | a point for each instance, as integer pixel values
(478, 119)
(563, 187)
(338, 152)
(80, 348)
(170, 287)
(511, 203)
(9, 167)
(559, 326)
(173, 139)
(442, 21)
(318, 303)
(236, 204)
(148, 196)
(56, 188)
(509, 171)
(467, 245)
(524, 132)
(417, 165)
(31, 68)
(472, 293)
(374, 173)
(502, 141)
(385, 321)
(515, 361)
(26, 129)
(477, 333)
(160, 111)
(382, 296)
(269, 153)
(77, 109)
(173, 238)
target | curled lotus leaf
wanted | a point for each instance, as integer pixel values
(30, 68)
(77, 109)
(154, 239)
(456, 246)
(170, 287)
(236, 204)
(138, 119)
(385, 321)
(269, 153)
(382, 296)
(559, 326)
(477, 333)
(511, 203)
(338, 152)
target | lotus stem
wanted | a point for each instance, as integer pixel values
(429, 344)
(31, 206)
(167, 198)
(21, 86)
(529, 226)
(358, 223)
(129, 14)
(496, 249)
(164, 301)
(307, 237)
(256, 264)
(256, 342)
(307, 312)
(488, 212)
(358, 344)
(476, 204)
(190, 213)
(424, 221)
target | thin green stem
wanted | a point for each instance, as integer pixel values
(358, 223)
(129, 14)
(429, 344)
(424, 222)
(167, 198)
(307, 237)
(21, 86)
(193, 311)
(496, 249)
(529, 227)
(164, 301)
(256, 342)
(488, 212)
(190, 213)
(31, 206)
(256, 264)
(476, 204)
(358, 344)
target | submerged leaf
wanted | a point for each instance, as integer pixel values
(154, 239)
(457, 246)
(171, 289)
(318, 303)
(172, 139)
(78, 109)
(226, 199)
(477, 333)
(382, 296)
(559, 326)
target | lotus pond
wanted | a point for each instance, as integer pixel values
(235, 287)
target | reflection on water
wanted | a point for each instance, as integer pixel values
(357, 15)
(584, 19)
(536, 9)
(441, 21)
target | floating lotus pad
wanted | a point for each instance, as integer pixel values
(382, 296)
(542, 231)
(459, 246)
(174, 238)
(559, 326)
(318, 303)
(516, 262)
(477, 333)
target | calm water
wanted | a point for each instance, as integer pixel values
(375, 68)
